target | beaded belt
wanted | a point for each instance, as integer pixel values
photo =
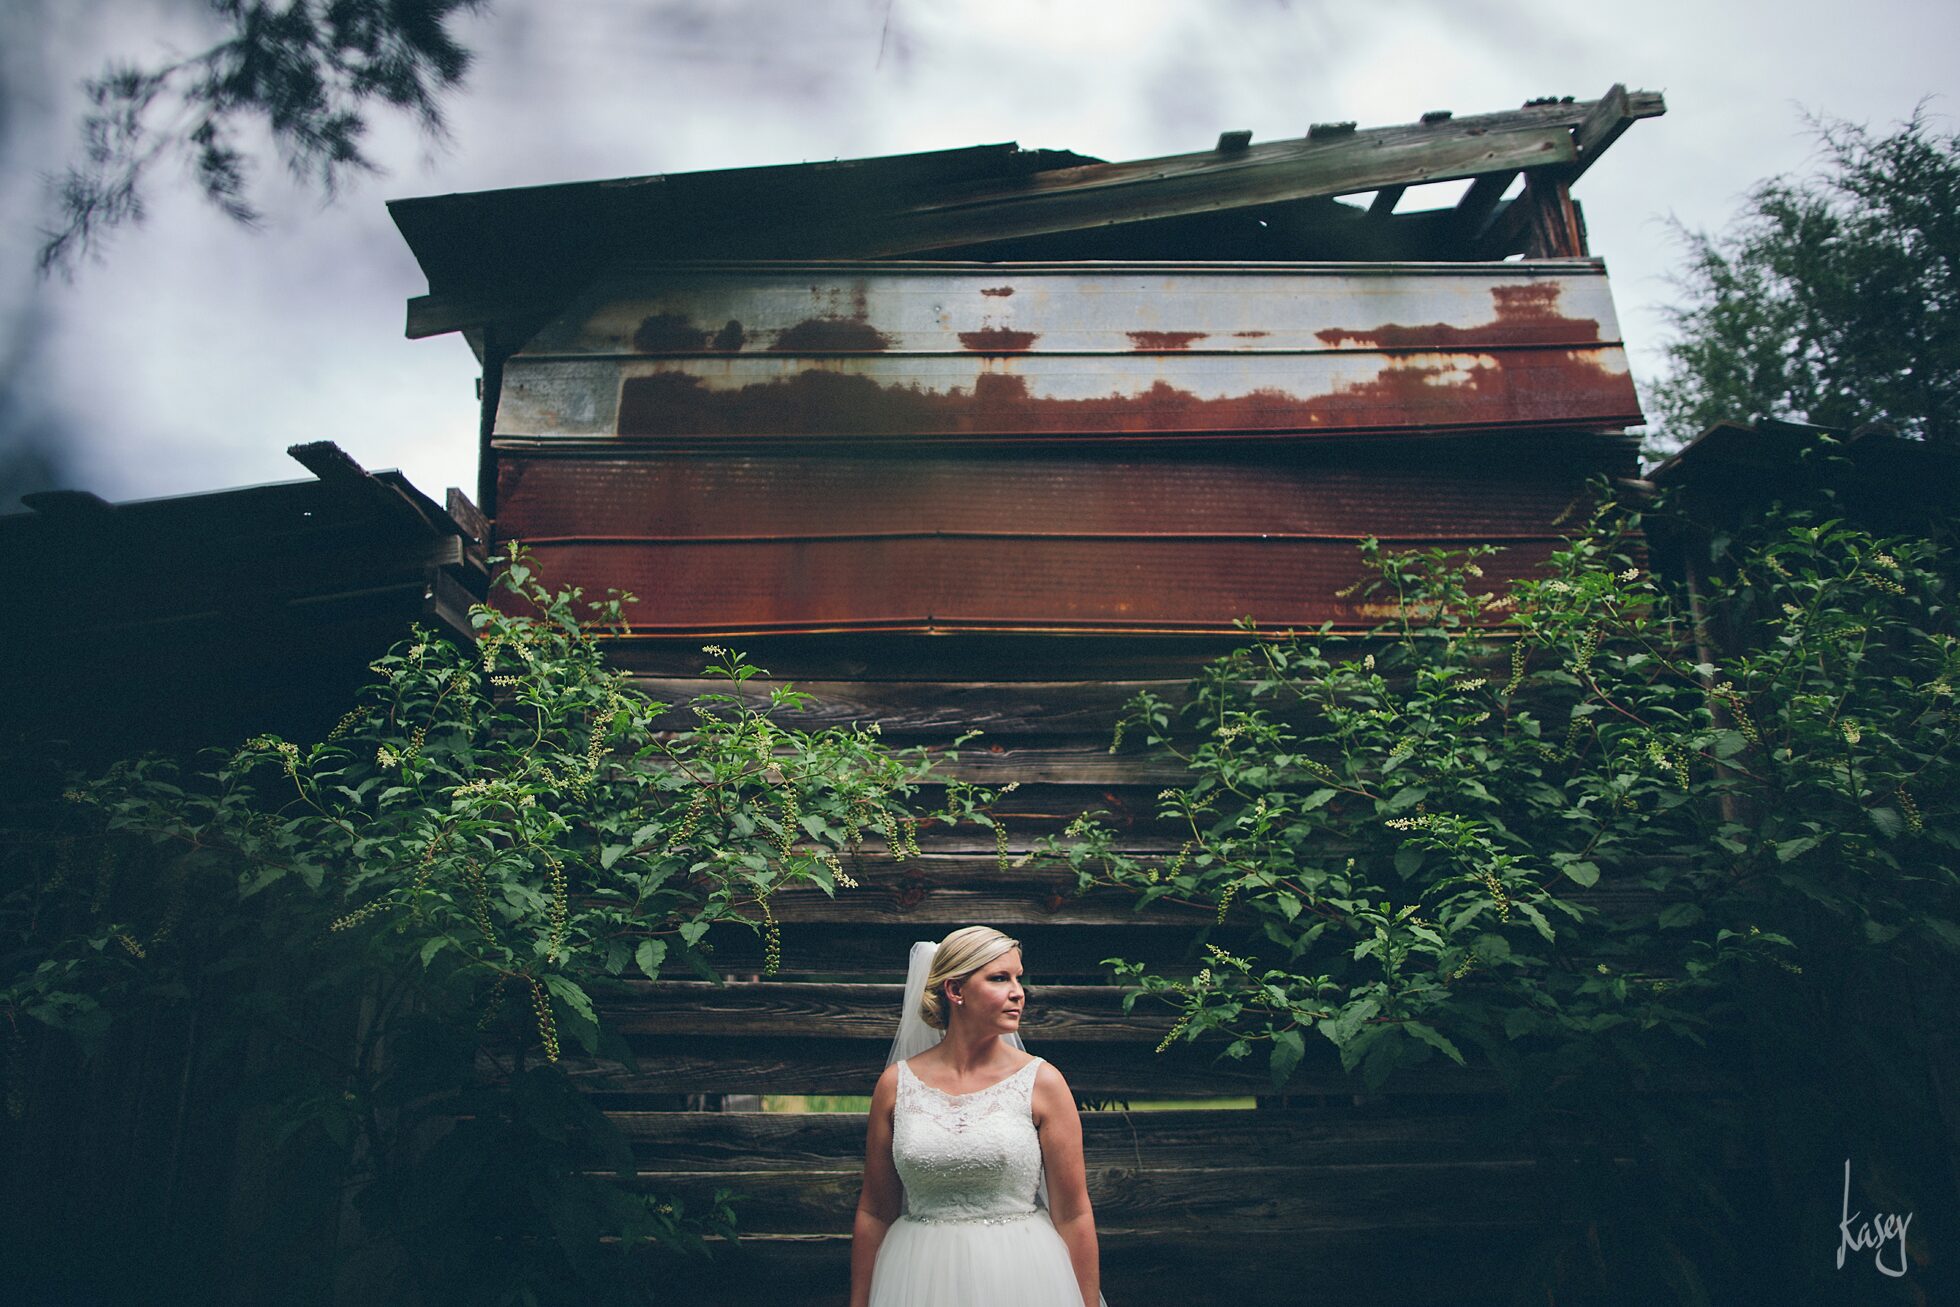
(974, 1220)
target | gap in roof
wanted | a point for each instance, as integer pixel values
(1432, 195)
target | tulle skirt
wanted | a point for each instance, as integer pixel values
(974, 1264)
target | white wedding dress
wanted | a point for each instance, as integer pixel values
(972, 1233)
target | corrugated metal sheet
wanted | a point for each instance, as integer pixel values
(727, 543)
(1060, 352)
(1015, 583)
(671, 498)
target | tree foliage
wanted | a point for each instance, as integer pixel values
(1835, 297)
(490, 842)
(1547, 832)
(309, 71)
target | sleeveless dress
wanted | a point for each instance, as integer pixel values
(972, 1234)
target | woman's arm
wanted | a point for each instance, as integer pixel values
(878, 1202)
(1068, 1180)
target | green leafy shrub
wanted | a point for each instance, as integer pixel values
(1561, 833)
(487, 840)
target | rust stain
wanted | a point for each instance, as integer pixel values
(819, 335)
(1524, 315)
(666, 333)
(1452, 391)
(730, 337)
(1251, 335)
(1161, 340)
(998, 340)
(998, 292)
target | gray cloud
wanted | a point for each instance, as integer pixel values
(198, 351)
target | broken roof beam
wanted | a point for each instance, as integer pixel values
(1473, 212)
(1607, 118)
(1383, 205)
(1071, 199)
(1562, 136)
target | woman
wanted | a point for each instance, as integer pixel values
(960, 1137)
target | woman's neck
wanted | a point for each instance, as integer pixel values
(968, 1051)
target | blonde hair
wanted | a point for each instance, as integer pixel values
(958, 956)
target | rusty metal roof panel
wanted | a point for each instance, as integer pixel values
(1018, 541)
(706, 354)
(963, 584)
(678, 498)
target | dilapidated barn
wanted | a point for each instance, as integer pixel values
(994, 438)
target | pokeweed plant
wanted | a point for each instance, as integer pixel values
(1571, 832)
(488, 839)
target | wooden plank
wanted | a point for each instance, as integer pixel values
(911, 658)
(706, 1065)
(1290, 1200)
(1554, 224)
(1473, 212)
(1607, 120)
(790, 1010)
(939, 710)
(467, 515)
(1045, 895)
(900, 659)
(942, 909)
(1184, 1138)
(876, 951)
(1099, 195)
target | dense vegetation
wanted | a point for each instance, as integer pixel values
(486, 839)
(1563, 833)
(1568, 832)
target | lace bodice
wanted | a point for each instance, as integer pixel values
(967, 1157)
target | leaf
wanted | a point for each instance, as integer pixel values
(1538, 921)
(260, 881)
(1583, 873)
(692, 931)
(1787, 850)
(612, 853)
(1408, 860)
(648, 957)
(1288, 1049)
(1435, 1039)
(1315, 800)
(1948, 933)
(570, 995)
(1888, 821)
(433, 947)
(1288, 903)
(1676, 915)
(1406, 797)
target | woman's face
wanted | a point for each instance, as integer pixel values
(992, 997)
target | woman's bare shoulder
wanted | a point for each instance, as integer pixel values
(1049, 1082)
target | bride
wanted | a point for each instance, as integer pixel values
(975, 1192)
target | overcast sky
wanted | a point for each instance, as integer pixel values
(196, 351)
